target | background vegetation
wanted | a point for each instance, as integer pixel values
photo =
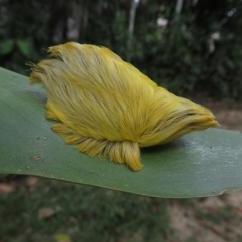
(193, 49)
(59, 212)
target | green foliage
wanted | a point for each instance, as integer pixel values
(198, 51)
(6, 46)
(25, 47)
(82, 213)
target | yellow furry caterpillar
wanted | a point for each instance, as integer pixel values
(107, 108)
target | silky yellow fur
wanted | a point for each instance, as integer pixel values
(108, 108)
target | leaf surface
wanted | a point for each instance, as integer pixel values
(199, 164)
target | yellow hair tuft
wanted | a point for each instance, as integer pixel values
(107, 108)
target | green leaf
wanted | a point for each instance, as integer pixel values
(25, 47)
(6, 46)
(199, 164)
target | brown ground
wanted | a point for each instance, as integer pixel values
(213, 219)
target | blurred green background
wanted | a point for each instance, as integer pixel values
(189, 46)
(192, 47)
